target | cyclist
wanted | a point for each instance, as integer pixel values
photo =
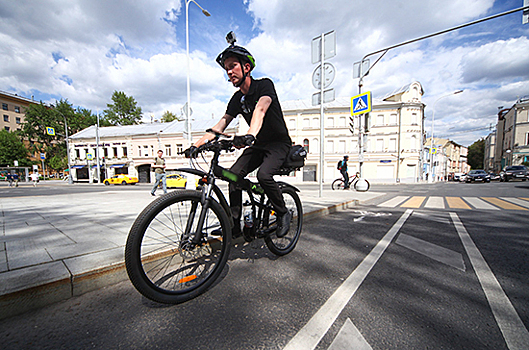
(268, 138)
(343, 171)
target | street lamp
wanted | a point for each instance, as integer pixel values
(188, 109)
(433, 120)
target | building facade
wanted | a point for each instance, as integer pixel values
(512, 135)
(448, 158)
(13, 110)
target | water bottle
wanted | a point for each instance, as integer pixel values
(248, 218)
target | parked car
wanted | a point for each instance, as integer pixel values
(477, 176)
(457, 176)
(177, 181)
(494, 177)
(121, 179)
(514, 172)
(462, 177)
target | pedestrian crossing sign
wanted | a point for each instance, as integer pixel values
(361, 104)
(50, 131)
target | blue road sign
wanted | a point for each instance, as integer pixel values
(361, 104)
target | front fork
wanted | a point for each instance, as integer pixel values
(196, 237)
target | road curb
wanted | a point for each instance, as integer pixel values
(23, 291)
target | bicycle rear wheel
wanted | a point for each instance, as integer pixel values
(338, 184)
(284, 245)
(161, 262)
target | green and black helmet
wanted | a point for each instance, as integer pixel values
(236, 51)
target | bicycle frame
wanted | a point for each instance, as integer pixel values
(260, 224)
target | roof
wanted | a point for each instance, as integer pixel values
(173, 127)
(402, 89)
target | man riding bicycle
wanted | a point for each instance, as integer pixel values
(268, 139)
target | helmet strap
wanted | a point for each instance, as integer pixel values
(244, 75)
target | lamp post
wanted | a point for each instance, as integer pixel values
(188, 109)
(430, 179)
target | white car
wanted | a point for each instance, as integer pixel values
(462, 177)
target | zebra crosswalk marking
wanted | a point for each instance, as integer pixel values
(520, 202)
(413, 202)
(503, 204)
(479, 204)
(393, 202)
(456, 203)
(435, 202)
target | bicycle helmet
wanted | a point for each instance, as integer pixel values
(236, 51)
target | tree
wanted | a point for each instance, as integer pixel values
(123, 111)
(11, 149)
(169, 117)
(476, 152)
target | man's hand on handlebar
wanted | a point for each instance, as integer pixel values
(243, 141)
(191, 152)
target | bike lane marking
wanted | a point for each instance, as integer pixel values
(511, 326)
(312, 333)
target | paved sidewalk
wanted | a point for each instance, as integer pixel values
(56, 247)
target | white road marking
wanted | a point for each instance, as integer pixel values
(311, 334)
(479, 203)
(368, 213)
(435, 202)
(393, 202)
(349, 338)
(514, 332)
(433, 251)
(516, 201)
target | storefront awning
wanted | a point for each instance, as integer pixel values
(78, 166)
(117, 165)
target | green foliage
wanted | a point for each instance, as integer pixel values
(123, 110)
(169, 117)
(476, 153)
(11, 149)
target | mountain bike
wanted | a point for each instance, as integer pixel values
(180, 243)
(356, 181)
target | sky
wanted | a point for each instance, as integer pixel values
(84, 50)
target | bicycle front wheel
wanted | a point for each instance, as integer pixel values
(361, 185)
(338, 184)
(284, 245)
(162, 262)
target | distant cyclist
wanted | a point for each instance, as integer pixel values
(268, 138)
(343, 171)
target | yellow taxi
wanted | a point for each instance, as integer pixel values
(177, 181)
(121, 179)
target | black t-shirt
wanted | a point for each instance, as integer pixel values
(274, 128)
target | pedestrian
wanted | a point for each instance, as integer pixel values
(10, 179)
(159, 172)
(15, 179)
(257, 102)
(343, 171)
(35, 178)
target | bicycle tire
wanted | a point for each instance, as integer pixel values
(284, 245)
(356, 183)
(157, 262)
(337, 184)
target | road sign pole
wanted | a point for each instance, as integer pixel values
(322, 121)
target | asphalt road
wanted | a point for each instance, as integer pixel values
(385, 278)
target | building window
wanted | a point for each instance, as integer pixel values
(393, 119)
(139, 151)
(105, 152)
(315, 146)
(115, 152)
(167, 150)
(292, 124)
(6, 118)
(342, 122)
(380, 119)
(125, 153)
(330, 122)
(77, 154)
(527, 139)
(414, 120)
(316, 123)
(380, 145)
(6, 128)
(330, 146)
(17, 109)
(306, 145)
(341, 146)
(85, 153)
(392, 145)
(179, 148)
(145, 151)
(18, 120)
(306, 123)
(4, 107)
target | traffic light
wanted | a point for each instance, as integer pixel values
(352, 125)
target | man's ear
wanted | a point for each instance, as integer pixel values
(247, 67)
